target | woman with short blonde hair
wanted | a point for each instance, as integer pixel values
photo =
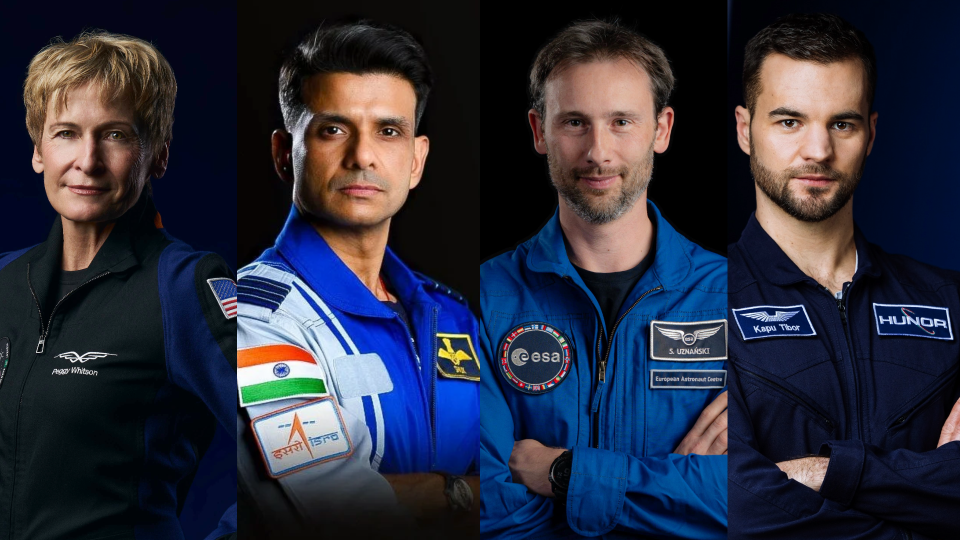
(117, 342)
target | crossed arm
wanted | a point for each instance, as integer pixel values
(894, 473)
(530, 461)
(810, 471)
(864, 492)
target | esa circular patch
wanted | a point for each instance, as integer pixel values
(535, 357)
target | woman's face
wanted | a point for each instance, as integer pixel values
(93, 159)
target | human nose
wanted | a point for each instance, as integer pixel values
(90, 160)
(361, 154)
(599, 142)
(816, 145)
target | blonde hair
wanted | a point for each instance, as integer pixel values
(116, 64)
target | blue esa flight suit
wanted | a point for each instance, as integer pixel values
(625, 482)
(867, 380)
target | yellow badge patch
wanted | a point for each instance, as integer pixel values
(456, 357)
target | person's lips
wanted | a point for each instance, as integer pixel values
(80, 189)
(599, 182)
(814, 180)
(361, 190)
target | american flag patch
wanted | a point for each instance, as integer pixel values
(225, 291)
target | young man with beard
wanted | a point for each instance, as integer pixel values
(604, 335)
(358, 377)
(845, 358)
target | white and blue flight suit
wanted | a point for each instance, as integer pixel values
(336, 389)
(621, 403)
(867, 379)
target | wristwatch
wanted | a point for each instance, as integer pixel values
(458, 492)
(560, 475)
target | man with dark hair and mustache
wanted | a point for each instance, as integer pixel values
(604, 335)
(358, 378)
(845, 378)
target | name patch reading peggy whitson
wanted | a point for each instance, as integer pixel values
(688, 341)
(918, 321)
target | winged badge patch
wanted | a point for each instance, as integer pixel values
(700, 341)
(758, 322)
(779, 316)
(73, 357)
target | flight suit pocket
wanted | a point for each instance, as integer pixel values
(776, 408)
(916, 426)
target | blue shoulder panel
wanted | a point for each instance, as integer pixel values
(7, 258)
(195, 362)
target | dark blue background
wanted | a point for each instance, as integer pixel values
(197, 197)
(907, 199)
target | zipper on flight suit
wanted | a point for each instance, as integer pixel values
(841, 307)
(44, 331)
(433, 379)
(602, 368)
(603, 357)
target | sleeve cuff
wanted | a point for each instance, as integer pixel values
(598, 484)
(843, 473)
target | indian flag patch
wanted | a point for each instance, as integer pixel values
(274, 372)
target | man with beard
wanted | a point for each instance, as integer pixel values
(603, 335)
(845, 418)
(358, 377)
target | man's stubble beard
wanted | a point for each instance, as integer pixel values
(817, 206)
(590, 204)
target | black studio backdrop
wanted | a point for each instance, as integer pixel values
(907, 198)
(196, 197)
(485, 189)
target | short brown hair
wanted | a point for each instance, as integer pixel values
(116, 64)
(807, 37)
(588, 41)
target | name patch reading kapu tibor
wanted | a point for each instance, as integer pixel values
(758, 322)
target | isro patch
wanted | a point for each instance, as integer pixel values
(688, 341)
(773, 321)
(693, 379)
(298, 437)
(456, 358)
(535, 357)
(225, 291)
(918, 321)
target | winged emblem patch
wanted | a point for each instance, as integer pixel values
(763, 316)
(689, 339)
(73, 357)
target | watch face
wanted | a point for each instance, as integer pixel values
(461, 494)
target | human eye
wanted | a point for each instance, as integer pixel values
(789, 123)
(621, 122)
(332, 131)
(116, 136)
(64, 134)
(575, 122)
(843, 126)
(390, 132)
